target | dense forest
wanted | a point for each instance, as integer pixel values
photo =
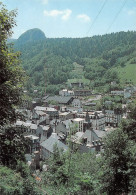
(50, 61)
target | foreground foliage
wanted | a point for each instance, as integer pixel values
(18, 182)
(11, 74)
(72, 173)
(111, 172)
(118, 163)
(12, 146)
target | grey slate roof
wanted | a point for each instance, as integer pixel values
(59, 99)
(49, 144)
(100, 133)
(78, 136)
(41, 113)
(67, 123)
(87, 134)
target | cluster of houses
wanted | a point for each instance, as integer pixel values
(60, 120)
(126, 93)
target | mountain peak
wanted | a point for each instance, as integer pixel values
(34, 34)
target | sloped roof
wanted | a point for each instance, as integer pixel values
(33, 126)
(26, 124)
(45, 128)
(87, 134)
(100, 133)
(59, 99)
(78, 135)
(53, 121)
(49, 143)
(41, 113)
(45, 97)
(44, 109)
(64, 113)
(67, 123)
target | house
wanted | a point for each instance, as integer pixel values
(77, 137)
(82, 92)
(44, 132)
(65, 116)
(66, 92)
(63, 100)
(96, 118)
(63, 109)
(70, 126)
(33, 129)
(78, 124)
(128, 92)
(77, 84)
(92, 139)
(39, 117)
(35, 102)
(34, 144)
(47, 146)
(63, 127)
(24, 126)
(113, 117)
(54, 122)
(77, 103)
(120, 93)
(89, 105)
(52, 112)
(75, 110)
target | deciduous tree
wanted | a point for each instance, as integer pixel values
(11, 74)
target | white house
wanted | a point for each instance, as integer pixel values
(77, 103)
(78, 124)
(66, 92)
(96, 119)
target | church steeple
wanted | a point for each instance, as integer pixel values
(87, 118)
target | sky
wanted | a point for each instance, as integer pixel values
(73, 18)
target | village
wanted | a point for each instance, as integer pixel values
(67, 97)
(72, 117)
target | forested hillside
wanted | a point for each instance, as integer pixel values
(103, 59)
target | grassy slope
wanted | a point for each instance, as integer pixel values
(127, 73)
(78, 70)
